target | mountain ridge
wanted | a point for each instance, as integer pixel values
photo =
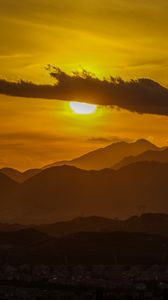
(19, 176)
(108, 156)
(150, 155)
(65, 192)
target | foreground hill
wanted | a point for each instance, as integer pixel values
(61, 193)
(21, 238)
(104, 248)
(150, 155)
(31, 247)
(108, 156)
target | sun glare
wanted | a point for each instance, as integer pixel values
(82, 108)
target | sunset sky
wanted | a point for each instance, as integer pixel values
(119, 38)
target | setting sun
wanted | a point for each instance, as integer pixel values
(82, 108)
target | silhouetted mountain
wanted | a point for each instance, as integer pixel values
(8, 188)
(62, 193)
(11, 173)
(28, 174)
(65, 192)
(150, 155)
(108, 156)
(19, 176)
(131, 241)
(81, 224)
(8, 203)
(146, 223)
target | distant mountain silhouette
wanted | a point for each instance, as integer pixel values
(108, 156)
(65, 192)
(150, 155)
(19, 176)
(81, 224)
(146, 223)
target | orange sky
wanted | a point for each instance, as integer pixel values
(109, 37)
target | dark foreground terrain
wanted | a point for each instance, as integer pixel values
(29, 246)
(86, 258)
(83, 282)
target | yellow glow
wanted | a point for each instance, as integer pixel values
(82, 108)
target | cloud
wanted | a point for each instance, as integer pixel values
(141, 95)
(112, 139)
(29, 136)
(100, 140)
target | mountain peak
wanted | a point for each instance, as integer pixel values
(144, 142)
(138, 142)
(110, 155)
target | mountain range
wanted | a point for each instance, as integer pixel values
(150, 155)
(113, 156)
(132, 184)
(19, 176)
(146, 223)
(109, 156)
(65, 192)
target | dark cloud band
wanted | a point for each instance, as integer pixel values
(141, 95)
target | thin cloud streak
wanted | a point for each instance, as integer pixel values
(110, 140)
(31, 136)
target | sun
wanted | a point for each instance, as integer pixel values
(82, 108)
